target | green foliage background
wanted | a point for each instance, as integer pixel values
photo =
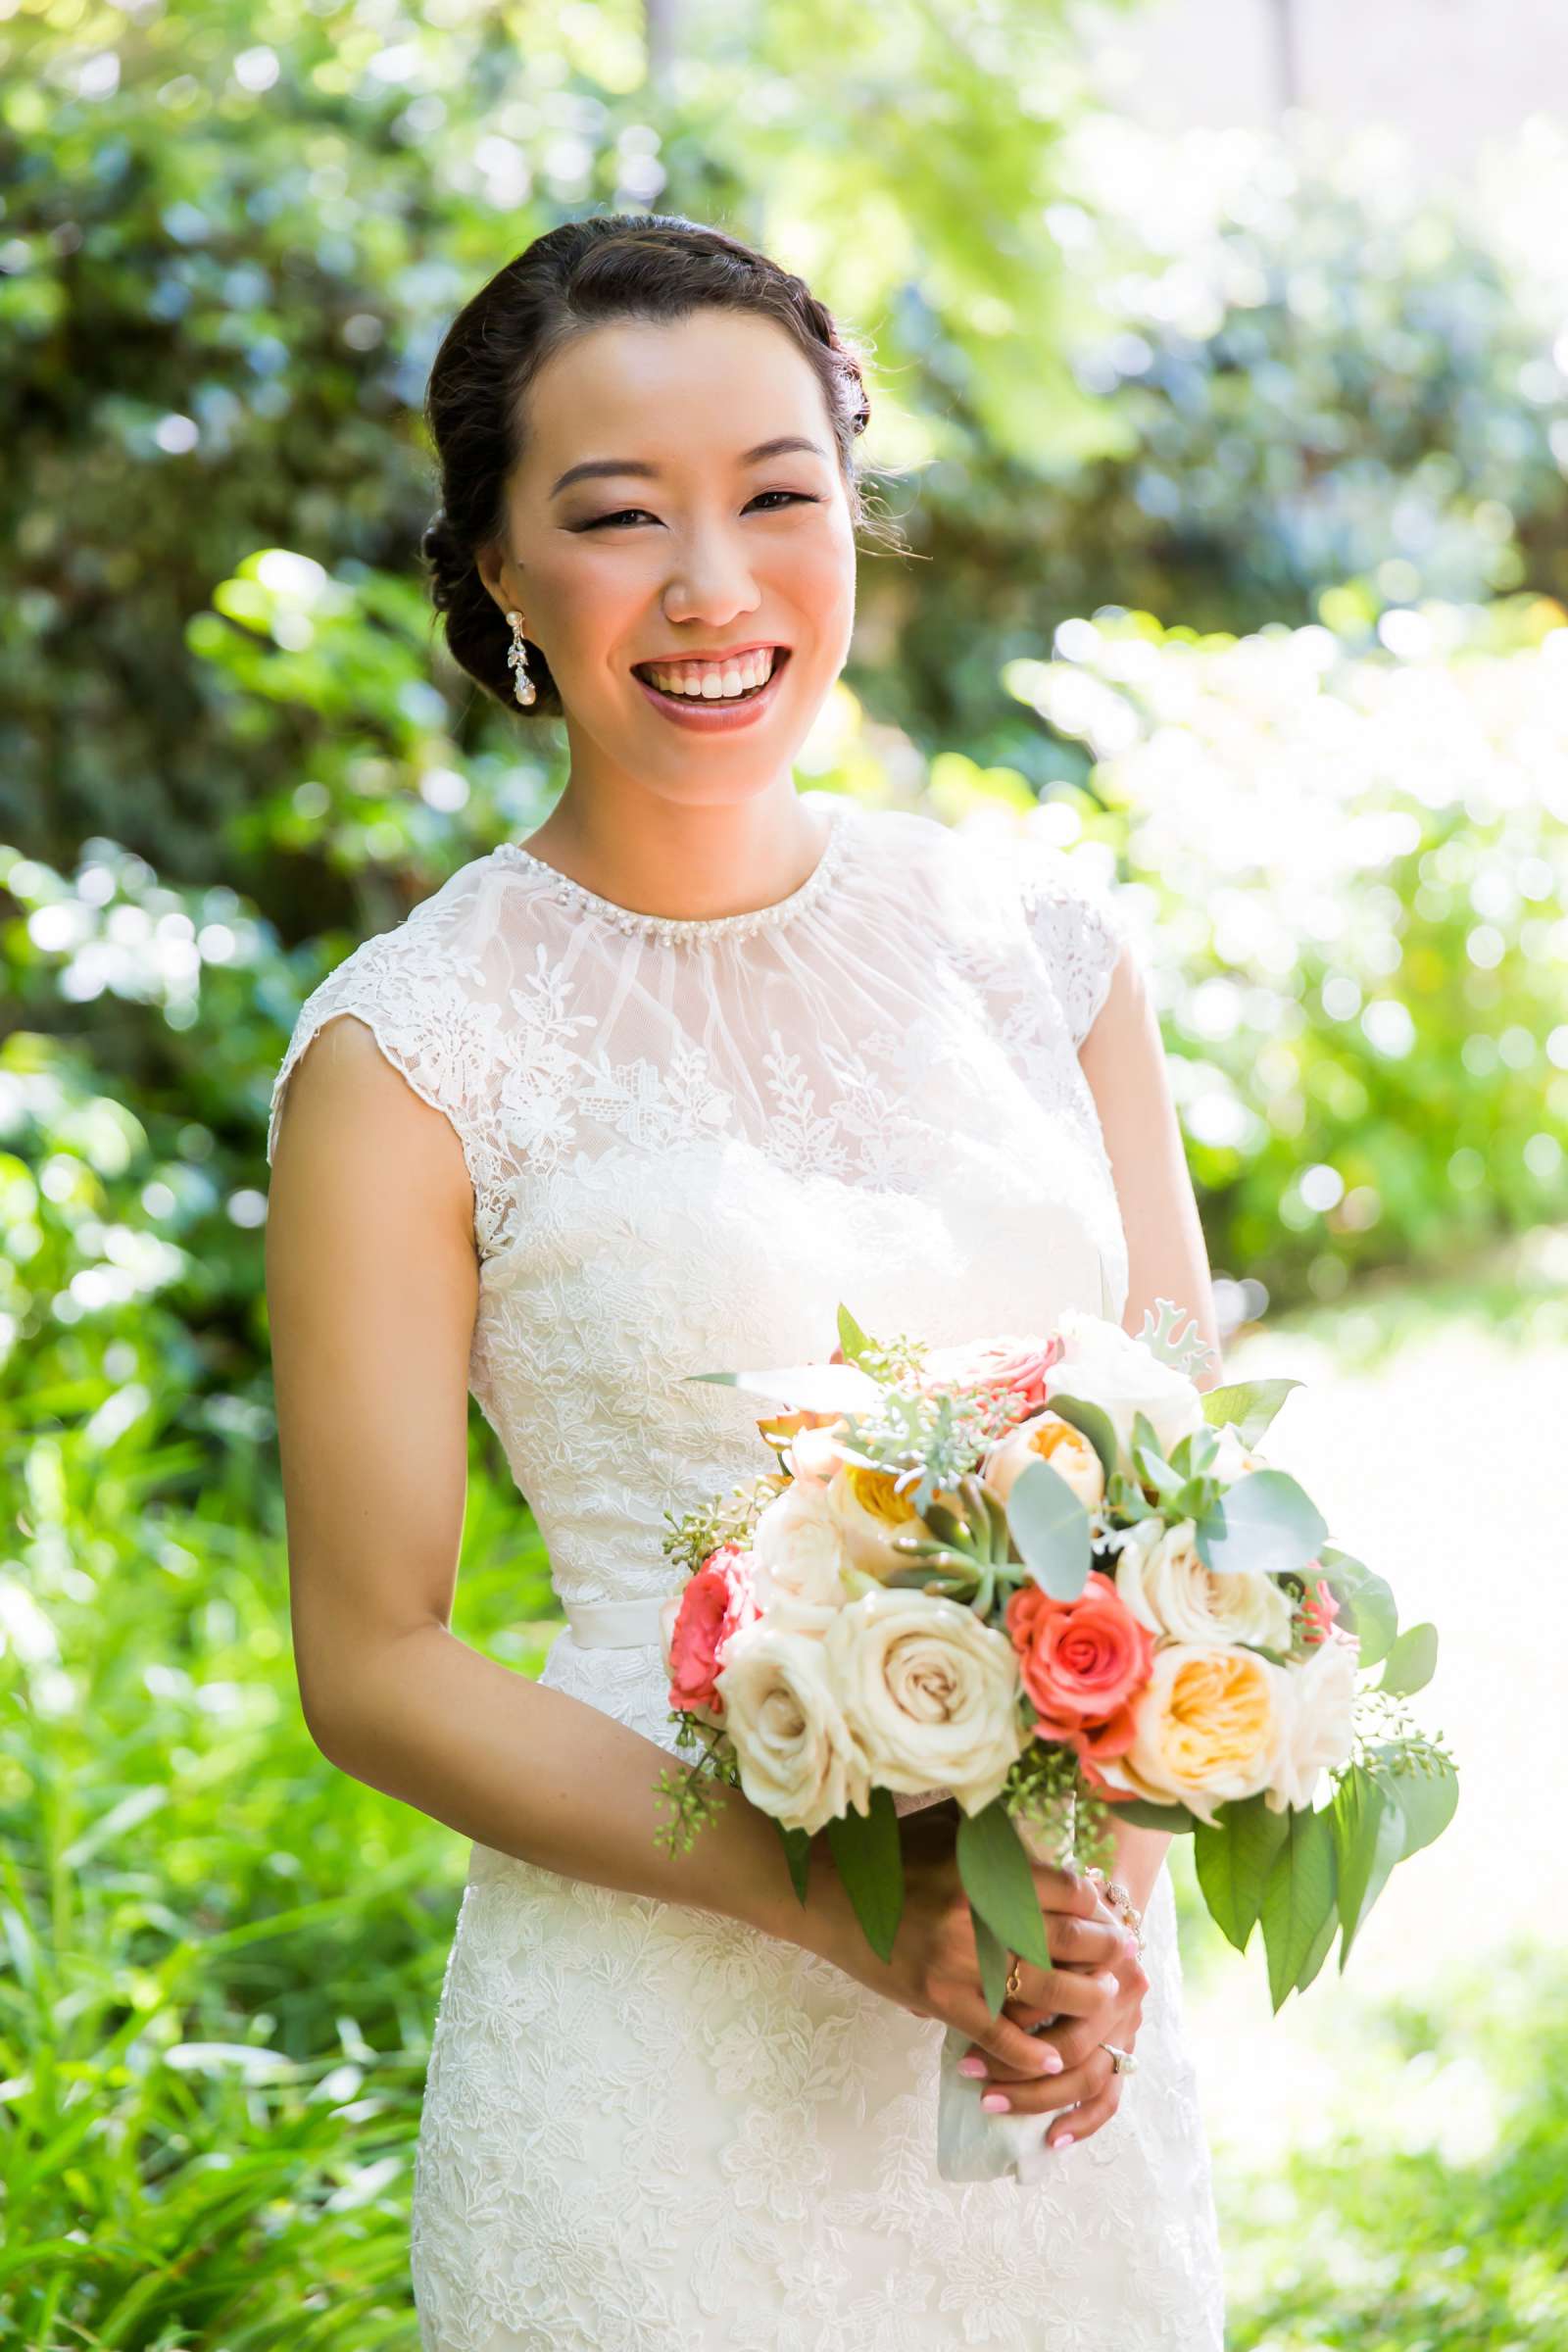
(1238, 547)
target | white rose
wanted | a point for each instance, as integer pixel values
(1317, 1712)
(929, 1693)
(796, 1755)
(1106, 1365)
(1167, 1588)
(798, 1554)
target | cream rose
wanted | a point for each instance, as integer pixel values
(1047, 1437)
(869, 1509)
(1167, 1588)
(1317, 1703)
(1101, 1362)
(929, 1693)
(1207, 1727)
(798, 1757)
(798, 1556)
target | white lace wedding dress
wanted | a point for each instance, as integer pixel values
(646, 2127)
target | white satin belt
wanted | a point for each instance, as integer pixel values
(613, 1624)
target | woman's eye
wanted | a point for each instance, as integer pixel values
(599, 523)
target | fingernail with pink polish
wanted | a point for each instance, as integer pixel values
(971, 2065)
(1053, 2061)
(1066, 2140)
(995, 2102)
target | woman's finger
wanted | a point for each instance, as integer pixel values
(1087, 2117)
(1087, 1942)
(1038, 2094)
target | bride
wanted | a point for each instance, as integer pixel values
(645, 1096)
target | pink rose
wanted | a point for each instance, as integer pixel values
(1082, 1662)
(1004, 1367)
(1319, 1611)
(716, 1602)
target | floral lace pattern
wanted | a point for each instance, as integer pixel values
(688, 1141)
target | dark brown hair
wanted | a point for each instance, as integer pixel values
(645, 266)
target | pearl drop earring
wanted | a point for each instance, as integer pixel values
(522, 686)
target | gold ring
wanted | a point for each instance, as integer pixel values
(1014, 1980)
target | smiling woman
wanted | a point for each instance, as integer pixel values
(648, 1094)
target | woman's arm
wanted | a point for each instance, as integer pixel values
(1123, 1058)
(373, 1287)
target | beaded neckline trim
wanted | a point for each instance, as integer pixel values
(673, 929)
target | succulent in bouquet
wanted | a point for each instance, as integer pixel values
(1050, 1577)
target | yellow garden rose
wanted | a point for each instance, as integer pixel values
(1208, 1729)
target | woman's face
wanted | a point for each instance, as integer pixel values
(703, 550)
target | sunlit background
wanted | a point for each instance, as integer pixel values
(1220, 384)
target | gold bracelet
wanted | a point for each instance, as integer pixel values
(1126, 1910)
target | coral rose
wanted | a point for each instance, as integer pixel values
(697, 1627)
(1082, 1663)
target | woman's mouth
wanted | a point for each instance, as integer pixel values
(712, 714)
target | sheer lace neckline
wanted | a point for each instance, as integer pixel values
(674, 929)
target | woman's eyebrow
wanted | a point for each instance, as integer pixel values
(594, 467)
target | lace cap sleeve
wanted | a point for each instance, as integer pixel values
(1078, 927)
(420, 990)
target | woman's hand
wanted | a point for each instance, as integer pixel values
(1095, 1953)
(934, 1970)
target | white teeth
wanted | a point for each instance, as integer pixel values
(713, 683)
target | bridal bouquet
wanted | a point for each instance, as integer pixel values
(1051, 1578)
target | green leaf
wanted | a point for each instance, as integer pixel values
(1051, 1529)
(1411, 1660)
(1369, 1606)
(852, 1338)
(1147, 1461)
(1369, 1839)
(1251, 1405)
(993, 1958)
(1264, 1521)
(1319, 1950)
(1232, 1860)
(1298, 1894)
(1145, 1815)
(868, 1858)
(1094, 1422)
(1427, 1800)
(797, 1854)
(999, 1881)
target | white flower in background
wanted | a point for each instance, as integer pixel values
(1317, 1703)
(796, 1755)
(929, 1691)
(1167, 1588)
(1101, 1362)
(797, 1555)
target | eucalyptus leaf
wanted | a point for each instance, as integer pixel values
(1094, 1423)
(852, 1338)
(1263, 1522)
(1411, 1660)
(1369, 1607)
(1232, 1860)
(1051, 1529)
(1427, 1800)
(868, 1858)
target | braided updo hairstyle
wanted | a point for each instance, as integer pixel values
(654, 267)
